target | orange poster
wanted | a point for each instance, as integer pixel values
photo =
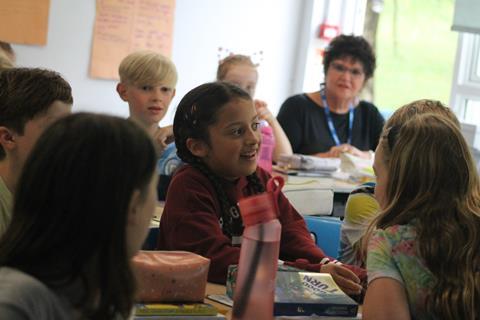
(24, 21)
(124, 26)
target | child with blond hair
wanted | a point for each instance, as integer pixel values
(422, 258)
(362, 207)
(147, 82)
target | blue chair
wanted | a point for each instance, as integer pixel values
(326, 233)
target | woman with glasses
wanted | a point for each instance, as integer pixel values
(333, 120)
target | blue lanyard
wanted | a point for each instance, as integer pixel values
(331, 127)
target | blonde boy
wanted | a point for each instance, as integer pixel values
(147, 83)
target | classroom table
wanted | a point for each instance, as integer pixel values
(213, 288)
(341, 189)
(221, 289)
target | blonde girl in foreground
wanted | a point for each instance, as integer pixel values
(423, 259)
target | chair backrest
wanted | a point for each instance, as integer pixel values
(326, 233)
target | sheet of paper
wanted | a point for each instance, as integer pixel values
(24, 21)
(124, 26)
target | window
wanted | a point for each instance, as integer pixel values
(466, 83)
(472, 111)
(415, 52)
(465, 96)
(476, 69)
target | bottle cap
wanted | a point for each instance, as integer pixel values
(263, 207)
(267, 129)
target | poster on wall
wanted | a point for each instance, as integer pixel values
(24, 21)
(125, 26)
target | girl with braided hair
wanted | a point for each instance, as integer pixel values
(216, 131)
(240, 70)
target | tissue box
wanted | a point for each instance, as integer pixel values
(170, 276)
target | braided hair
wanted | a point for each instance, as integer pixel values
(198, 110)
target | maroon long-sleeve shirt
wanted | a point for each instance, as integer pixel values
(190, 221)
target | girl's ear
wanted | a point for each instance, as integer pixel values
(197, 147)
(122, 91)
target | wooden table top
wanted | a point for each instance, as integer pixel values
(213, 288)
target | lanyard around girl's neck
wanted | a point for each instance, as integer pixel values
(331, 127)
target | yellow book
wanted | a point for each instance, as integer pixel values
(167, 309)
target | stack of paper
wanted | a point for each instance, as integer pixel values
(358, 169)
(309, 163)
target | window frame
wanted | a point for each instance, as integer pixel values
(466, 76)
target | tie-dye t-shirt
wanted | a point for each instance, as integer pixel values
(392, 254)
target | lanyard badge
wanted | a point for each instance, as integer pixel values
(331, 127)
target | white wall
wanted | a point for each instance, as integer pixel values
(201, 27)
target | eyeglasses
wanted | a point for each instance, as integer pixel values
(354, 72)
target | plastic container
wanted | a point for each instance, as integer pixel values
(265, 156)
(257, 269)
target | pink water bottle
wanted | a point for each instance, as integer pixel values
(255, 288)
(265, 155)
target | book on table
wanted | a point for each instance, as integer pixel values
(175, 309)
(299, 293)
(310, 293)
